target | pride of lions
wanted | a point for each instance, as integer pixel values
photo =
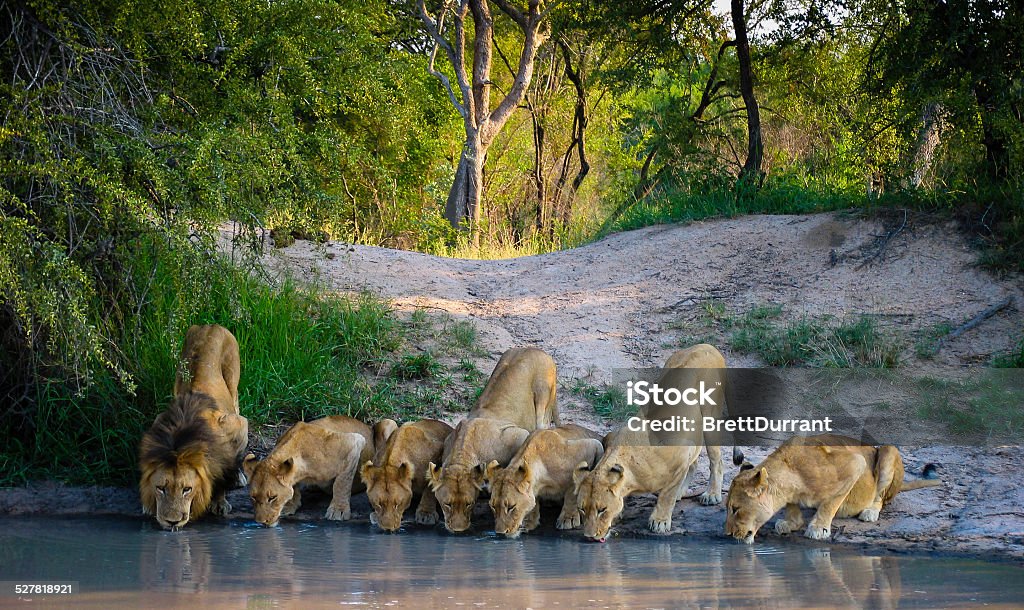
(512, 444)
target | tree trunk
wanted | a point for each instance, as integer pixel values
(472, 96)
(755, 146)
(464, 199)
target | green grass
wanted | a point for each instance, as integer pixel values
(417, 366)
(1013, 359)
(987, 407)
(807, 341)
(305, 353)
(608, 401)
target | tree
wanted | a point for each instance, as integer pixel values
(967, 55)
(755, 146)
(473, 99)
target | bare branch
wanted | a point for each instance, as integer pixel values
(436, 31)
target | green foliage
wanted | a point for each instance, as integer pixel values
(609, 401)
(989, 405)
(302, 355)
(418, 366)
(1013, 359)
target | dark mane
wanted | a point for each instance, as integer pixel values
(179, 429)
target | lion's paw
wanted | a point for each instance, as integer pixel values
(426, 518)
(709, 499)
(220, 507)
(868, 514)
(336, 513)
(818, 533)
(785, 527)
(660, 526)
(568, 522)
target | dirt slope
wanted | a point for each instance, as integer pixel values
(628, 299)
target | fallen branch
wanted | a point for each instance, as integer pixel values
(885, 243)
(976, 320)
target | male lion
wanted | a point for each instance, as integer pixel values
(399, 471)
(324, 453)
(837, 475)
(519, 397)
(638, 462)
(541, 470)
(189, 456)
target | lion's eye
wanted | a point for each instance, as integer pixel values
(161, 490)
(272, 499)
(509, 508)
(601, 511)
(186, 491)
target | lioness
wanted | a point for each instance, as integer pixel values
(189, 456)
(474, 443)
(521, 390)
(541, 470)
(519, 397)
(325, 453)
(837, 475)
(636, 462)
(399, 471)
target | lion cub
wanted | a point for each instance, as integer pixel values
(519, 397)
(541, 470)
(837, 475)
(399, 471)
(325, 453)
(636, 462)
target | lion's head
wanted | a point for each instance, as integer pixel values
(749, 504)
(456, 488)
(270, 487)
(601, 496)
(512, 497)
(389, 489)
(177, 464)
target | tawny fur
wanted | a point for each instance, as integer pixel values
(836, 475)
(542, 469)
(632, 464)
(189, 456)
(398, 472)
(324, 453)
(519, 397)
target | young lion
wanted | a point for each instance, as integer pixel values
(189, 456)
(541, 470)
(837, 475)
(474, 443)
(636, 462)
(519, 397)
(325, 453)
(400, 473)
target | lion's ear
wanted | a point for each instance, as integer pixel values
(406, 470)
(761, 478)
(579, 473)
(433, 476)
(286, 466)
(492, 471)
(478, 476)
(249, 465)
(367, 472)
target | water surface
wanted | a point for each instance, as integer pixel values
(120, 562)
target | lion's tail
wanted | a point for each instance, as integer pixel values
(929, 478)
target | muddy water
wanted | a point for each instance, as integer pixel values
(128, 563)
